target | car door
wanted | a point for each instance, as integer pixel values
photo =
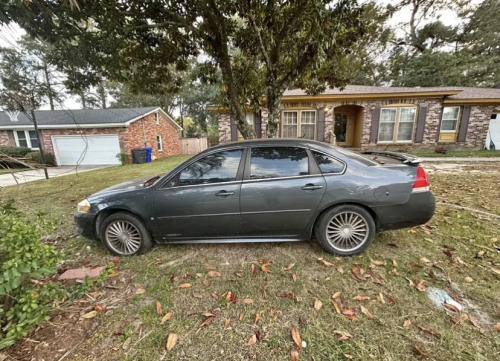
(281, 191)
(203, 199)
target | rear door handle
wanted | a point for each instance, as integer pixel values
(224, 194)
(311, 187)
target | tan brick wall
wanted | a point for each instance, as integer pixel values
(5, 139)
(142, 133)
(46, 136)
(224, 127)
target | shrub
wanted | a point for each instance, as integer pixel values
(124, 158)
(37, 158)
(14, 152)
(25, 263)
(440, 150)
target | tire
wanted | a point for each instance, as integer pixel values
(359, 235)
(137, 239)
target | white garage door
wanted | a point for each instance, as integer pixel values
(87, 150)
(493, 136)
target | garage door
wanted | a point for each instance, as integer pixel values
(87, 150)
(493, 136)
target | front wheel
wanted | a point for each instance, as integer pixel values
(124, 234)
(345, 230)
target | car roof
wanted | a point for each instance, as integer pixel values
(295, 142)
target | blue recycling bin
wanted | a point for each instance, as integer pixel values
(149, 152)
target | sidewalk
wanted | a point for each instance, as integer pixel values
(460, 159)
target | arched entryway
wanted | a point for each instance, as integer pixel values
(348, 125)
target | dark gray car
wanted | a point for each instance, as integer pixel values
(260, 191)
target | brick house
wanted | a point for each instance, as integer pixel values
(94, 136)
(370, 117)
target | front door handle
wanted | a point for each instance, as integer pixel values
(224, 194)
(311, 187)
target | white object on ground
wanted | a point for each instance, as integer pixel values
(440, 297)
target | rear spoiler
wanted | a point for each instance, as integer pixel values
(404, 158)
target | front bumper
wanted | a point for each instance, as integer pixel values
(418, 210)
(85, 225)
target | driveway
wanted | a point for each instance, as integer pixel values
(36, 174)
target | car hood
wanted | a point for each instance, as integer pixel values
(127, 186)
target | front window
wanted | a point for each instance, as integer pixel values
(159, 143)
(450, 119)
(397, 124)
(27, 139)
(299, 124)
(214, 168)
(278, 162)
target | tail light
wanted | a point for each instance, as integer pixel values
(421, 182)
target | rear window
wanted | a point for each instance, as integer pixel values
(327, 164)
(358, 157)
(278, 162)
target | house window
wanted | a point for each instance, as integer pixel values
(27, 139)
(397, 124)
(159, 143)
(157, 118)
(249, 117)
(299, 124)
(450, 119)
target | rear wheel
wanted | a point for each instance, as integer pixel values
(345, 230)
(124, 234)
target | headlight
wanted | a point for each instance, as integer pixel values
(83, 206)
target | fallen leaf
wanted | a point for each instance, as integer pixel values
(429, 331)
(451, 307)
(247, 300)
(159, 310)
(228, 321)
(99, 308)
(171, 341)
(167, 317)
(185, 285)
(340, 269)
(380, 298)
(294, 355)
(495, 271)
(497, 326)
(214, 296)
(258, 316)
(140, 291)
(252, 340)
(419, 350)
(326, 263)
(241, 316)
(349, 356)
(336, 306)
(350, 313)
(468, 280)
(254, 270)
(455, 297)
(424, 260)
(344, 335)
(365, 312)
(207, 321)
(290, 266)
(91, 314)
(230, 297)
(208, 314)
(294, 277)
(336, 294)
(420, 285)
(112, 275)
(264, 268)
(474, 322)
(296, 337)
(415, 265)
(213, 274)
(361, 298)
(394, 263)
(407, 323)
(317, 305)
(197, 295)
(271, 314)
(377, 263)
(283, 294)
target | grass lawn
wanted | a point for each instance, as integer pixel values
(457, 153)
(12, 170)
(457, 251)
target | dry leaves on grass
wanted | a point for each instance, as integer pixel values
(380, 298)
(254, 270)
(167, 317)
(140, 291)
(90, 314)
(419, 351)
(337, 307)
(197, 295)
(226, 324)
(294, 355)
(344, 335)
(185, 285)
(365, 312)
(451, 307)
(377, 263)
(159, 310)
(290, 266)
(336, 295)
(209, 318)
(296, 337)
(213, 274)
(407, 323)
(429, 331)
(350, 313)
(317, 305)
(258, 316)
(326, 263)
(248, 301)
(497, 326)
(252, 340)
(284, 294)
(294, 277)
(99, 308)
(171, 341)
(420, 286)
(361, 298)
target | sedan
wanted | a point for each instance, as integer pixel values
(263, 191)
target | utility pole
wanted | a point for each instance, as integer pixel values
(40, 145)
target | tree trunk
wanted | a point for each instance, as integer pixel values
(49, 88)
(82, 98)
(102, 95)
(273, 108)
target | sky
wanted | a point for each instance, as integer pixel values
(10, 35)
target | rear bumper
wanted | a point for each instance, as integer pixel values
(84, 223)
(418, 210)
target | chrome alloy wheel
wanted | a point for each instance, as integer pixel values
(347, 231)
(123, 237)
